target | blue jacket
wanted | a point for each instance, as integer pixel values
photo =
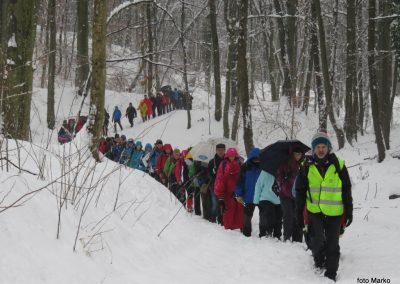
(116, 115)
(263, 189)
(155, 153)
(136, 160)
(117, 152)
(249, 174)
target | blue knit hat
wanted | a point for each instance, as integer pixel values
(321, 137)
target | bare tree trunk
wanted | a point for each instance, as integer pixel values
(185, 80)
(82, 56)
(325, 72)
(243, 80)
(52, 63)
(97, 94)
(18, 35)
(322, 114)
(350, 122)
(373, 82)
(150, 47)
(235, 122)
(215, 58)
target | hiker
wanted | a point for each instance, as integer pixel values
(149, 105)
(192, 188)
(136, 157)
(106, 122)
(224, 187)
(146, 156)
(143, 110)
(155, 153)
(64, 134)
(116, 118)
(166, 153)
(249, 173)
(176, 171)
(127, 152)
(131, 113)
(324, 187)
(285, 178)
(213, 165)
(266, 196)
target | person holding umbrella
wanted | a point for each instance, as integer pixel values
(285, 178)
(267, 190)
(324, 187)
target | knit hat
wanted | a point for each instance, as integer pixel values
(123, 137)
(321, 137)
(177, 151)
(148, 146)
(138, 143)
(231, 152)
(159, 141)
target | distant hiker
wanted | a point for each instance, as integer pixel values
(106, 122)
(143, 110)
(266, 195)
(116, 118)
(146, 157)
(127, 152)
(285, 178)
(192, 188)
(136, 157)
(64, 134)
(149, 105)
(213, 165)
(324, 187)
(159, 104)
(131, 113)
(249, 173)
(224, 187)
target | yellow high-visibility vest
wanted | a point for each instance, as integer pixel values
(325, 193)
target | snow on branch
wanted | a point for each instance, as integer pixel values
(125, 5)
(137, 57)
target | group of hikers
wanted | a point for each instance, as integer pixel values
(309, 196)
(165, 101)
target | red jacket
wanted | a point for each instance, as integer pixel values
(103, 147)
(149, 104)
(224, 187)
(227, 176)
(162, 159)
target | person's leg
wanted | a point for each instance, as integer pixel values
(332, 232)
(278, 221)
(316, 223)
(197, 208)
(263, 211)
(287, 214)
(248, 215)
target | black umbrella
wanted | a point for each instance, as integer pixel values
(277, 154)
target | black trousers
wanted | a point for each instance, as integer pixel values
(130, 118)
(196, 197)
(291, 231)
(270, 219)
(115, 125)
(325, 247)
(248, 215)
(206, 204)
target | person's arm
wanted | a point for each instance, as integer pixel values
(301, 188)
(346, 195)
(240, 185)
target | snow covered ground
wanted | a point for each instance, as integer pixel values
(118, 238)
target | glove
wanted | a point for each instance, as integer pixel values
(300, 219)
(221, 204)
(349, 220)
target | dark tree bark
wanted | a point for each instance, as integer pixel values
(150, 47)
(97, 94)
(327, 79)
(52, 62)
(243, 80)
(373, 81)
(215, 57)
(18, 39)
(185, 79)
(350, 122)
(82, 56)
(322, 114)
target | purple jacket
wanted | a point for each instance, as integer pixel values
(285, 178)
